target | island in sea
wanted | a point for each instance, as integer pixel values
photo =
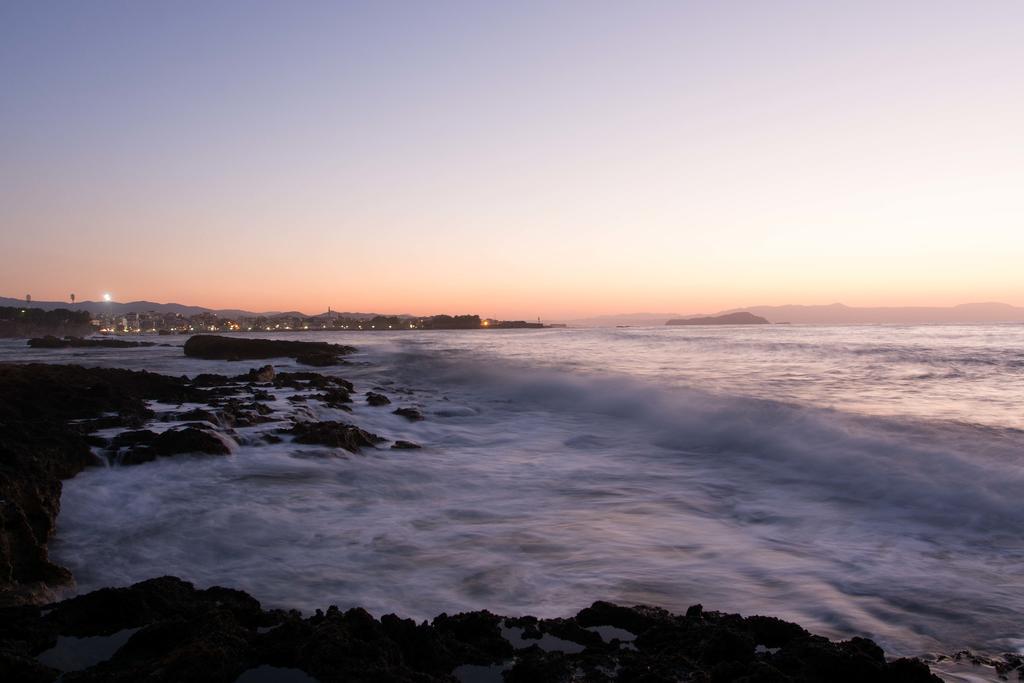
(739, 318)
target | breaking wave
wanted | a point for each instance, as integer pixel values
(547, 485)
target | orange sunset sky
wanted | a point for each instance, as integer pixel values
(518, 161)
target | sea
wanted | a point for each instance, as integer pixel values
(859, 480)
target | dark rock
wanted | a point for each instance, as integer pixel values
(318, 360)
(198, 415)
(189, 440)
(537, 666)
(773, 632)
(133, 438)
(216, 634)
(236, 413)
(634, 620)
(409, 413)
(216, 347)
(173, 442)
(479, 634)
(51, 342)
(310, 380)
(333, 434)
(727, 645)
(334, 397)
(210, 379)
(375, 399)
(48, 342)
(405, 444)
(259, 375)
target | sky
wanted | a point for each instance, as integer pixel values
(513, 160)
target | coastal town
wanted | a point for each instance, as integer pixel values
(155, 322)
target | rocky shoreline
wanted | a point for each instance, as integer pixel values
(56, 420)
(165, 629)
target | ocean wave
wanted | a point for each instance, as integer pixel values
(546, 484)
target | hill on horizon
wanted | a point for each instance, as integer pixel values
(841, 314)
(738, 318)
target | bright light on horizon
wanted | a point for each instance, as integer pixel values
(106, 296)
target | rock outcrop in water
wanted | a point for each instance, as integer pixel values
(164, 629)
(144, 445)
(375, 399)
(412, 414)
(51, 342)
(215, 347)
(333, 434)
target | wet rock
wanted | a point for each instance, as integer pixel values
(237, 413)
(412, 414)
(633, 620)
(334, 397)
(216, 634)
(259, 375)
(210, 379)
(310, 380)
(478, 634)
(536, 666)
(375, 399)
(198, 415)
(318, 360)
(133, 438)
(215, 347)
(189, 440)
(51, 342)
(333, 434)
(773, 632)
(172, 442)
(401, 444)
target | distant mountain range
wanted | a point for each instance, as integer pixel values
(119, 308)
(840, 314)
